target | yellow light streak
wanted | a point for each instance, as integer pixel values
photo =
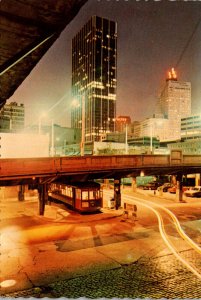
(178, 226)
(180, 230)
(163, 233)
(164, 236)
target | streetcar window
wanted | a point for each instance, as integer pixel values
(92, 195)
(69, 192)
(85, 195)
(63, 191)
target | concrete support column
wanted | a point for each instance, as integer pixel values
(117, 192)
(179, 191)
(134, 184)
(21, 193)
(197, 179)
(43, 197)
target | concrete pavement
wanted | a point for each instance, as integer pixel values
(36, 250)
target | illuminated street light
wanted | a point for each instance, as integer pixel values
(75, 103)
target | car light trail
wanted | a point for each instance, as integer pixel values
(177, 224)
(180, 230)
(164, 236)
(163, 233)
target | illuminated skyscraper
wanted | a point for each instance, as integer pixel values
(174, 103)
(94, 77)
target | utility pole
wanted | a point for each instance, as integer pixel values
(126, 141)
(83, 125)
(151, 137)
(52, 139)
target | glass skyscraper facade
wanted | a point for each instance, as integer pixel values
(94, 77)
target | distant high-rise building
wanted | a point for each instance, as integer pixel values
(94, 77)
(122, 122)
(13, 114)
(191, 128)
(174, 103)
(152, 127)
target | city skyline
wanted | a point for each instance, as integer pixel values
(152, 38)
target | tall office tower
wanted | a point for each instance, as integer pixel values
(94, 77)
(15, 114)
(175, 103)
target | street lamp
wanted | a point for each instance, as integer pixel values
(52, 139)
(126, 141)
(83, 126)
(75, 104)
(151, 136)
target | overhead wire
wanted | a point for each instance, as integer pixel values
(188, 43)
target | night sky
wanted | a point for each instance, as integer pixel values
(151, 39)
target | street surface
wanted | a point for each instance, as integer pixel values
(64, 254)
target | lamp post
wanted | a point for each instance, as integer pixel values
(83, 126)
(126, 142)
(52, 139)
(151, 137)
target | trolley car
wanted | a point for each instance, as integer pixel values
(82, 196)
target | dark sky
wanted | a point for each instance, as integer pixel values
(151, 38)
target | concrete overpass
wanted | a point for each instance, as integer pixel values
(71, 169)
(39, 172)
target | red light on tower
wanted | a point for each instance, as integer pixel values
(172, 75)
(169, 75)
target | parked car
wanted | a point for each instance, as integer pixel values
(152, 186)
(165, 186)
(194, 192)
(173, 189)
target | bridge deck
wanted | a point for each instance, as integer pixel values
(52, 166)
